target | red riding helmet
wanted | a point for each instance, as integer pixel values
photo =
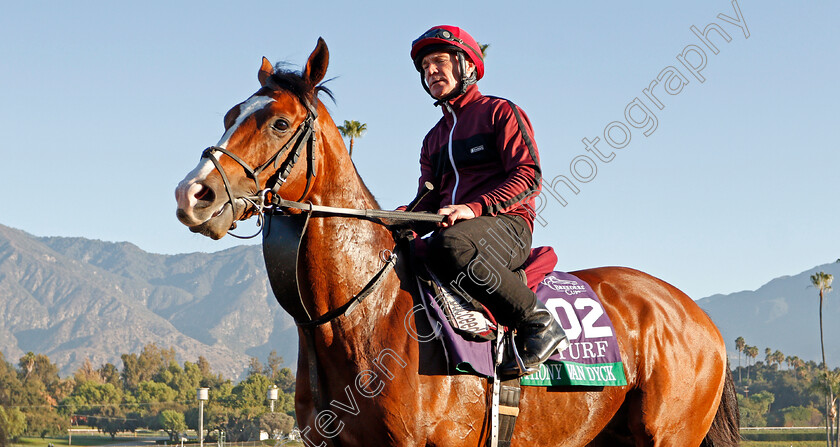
(443, 36)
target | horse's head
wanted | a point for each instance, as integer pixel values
(268, 144)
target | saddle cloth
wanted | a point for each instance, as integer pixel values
(592, 359)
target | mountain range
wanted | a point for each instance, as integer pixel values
(783, 315)
(76, 298)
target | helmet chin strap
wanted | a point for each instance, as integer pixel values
(466, 81)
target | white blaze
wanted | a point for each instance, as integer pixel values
(246, 109)
(189, 186)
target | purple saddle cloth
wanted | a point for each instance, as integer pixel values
(592, 359)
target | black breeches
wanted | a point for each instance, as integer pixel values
(479, 255)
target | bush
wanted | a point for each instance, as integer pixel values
(801, 417)
(754, 409)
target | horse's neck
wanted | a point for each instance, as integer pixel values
(341, 253)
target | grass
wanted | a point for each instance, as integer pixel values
(97, 440)
(783, 444)
(794, 431)
(80, 440)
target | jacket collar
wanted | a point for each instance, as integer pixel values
(470, 96)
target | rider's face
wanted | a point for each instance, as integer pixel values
(441, 73)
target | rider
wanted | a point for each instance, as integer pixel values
(483, 161)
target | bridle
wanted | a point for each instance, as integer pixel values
(304, 136)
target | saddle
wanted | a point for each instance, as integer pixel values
(468, 317)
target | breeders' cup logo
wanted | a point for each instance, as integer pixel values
(562, 285)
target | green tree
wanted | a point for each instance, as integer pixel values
(172, 422)
(12, 425)
(273, 366)
(276, 424)
(141, 368)
(285, 380)
(39, 367)
(87, 373)
(483, 47)
(204, 367)
(109, 374)
(183, 381)
(87, 396)
(9, 382)
(754, 408)
(45, 422)
(254, 367)
(37, 392)
(27, 365)
(822, 281)
(112, 419)
(352, 130)
(152, 392)
(800, 416)
(251, 392)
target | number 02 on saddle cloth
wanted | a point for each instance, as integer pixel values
(593, 357)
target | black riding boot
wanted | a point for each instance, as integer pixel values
(538, 336)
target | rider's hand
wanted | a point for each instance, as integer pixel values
(454, 213)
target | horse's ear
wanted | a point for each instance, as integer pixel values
(316, 66)
(266, 70)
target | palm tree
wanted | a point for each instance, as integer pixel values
(794, 363)
(831, 385)
(752, 352)
(768, 356)
(822, 281)
(483, 47)
(740, 344)
(352, 130)
(834, 390)
(779, 358)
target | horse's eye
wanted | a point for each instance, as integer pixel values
(281, 125)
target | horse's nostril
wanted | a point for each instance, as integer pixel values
(205, 193)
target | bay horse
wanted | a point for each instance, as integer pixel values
(385, 385)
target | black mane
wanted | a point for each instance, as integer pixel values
(294, 83)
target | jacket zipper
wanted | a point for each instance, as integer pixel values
(451, 156)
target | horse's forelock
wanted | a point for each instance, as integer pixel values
(291, 82)
(294, 83)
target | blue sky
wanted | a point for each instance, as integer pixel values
(107, 105)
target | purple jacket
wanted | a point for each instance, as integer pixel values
(477, 155)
